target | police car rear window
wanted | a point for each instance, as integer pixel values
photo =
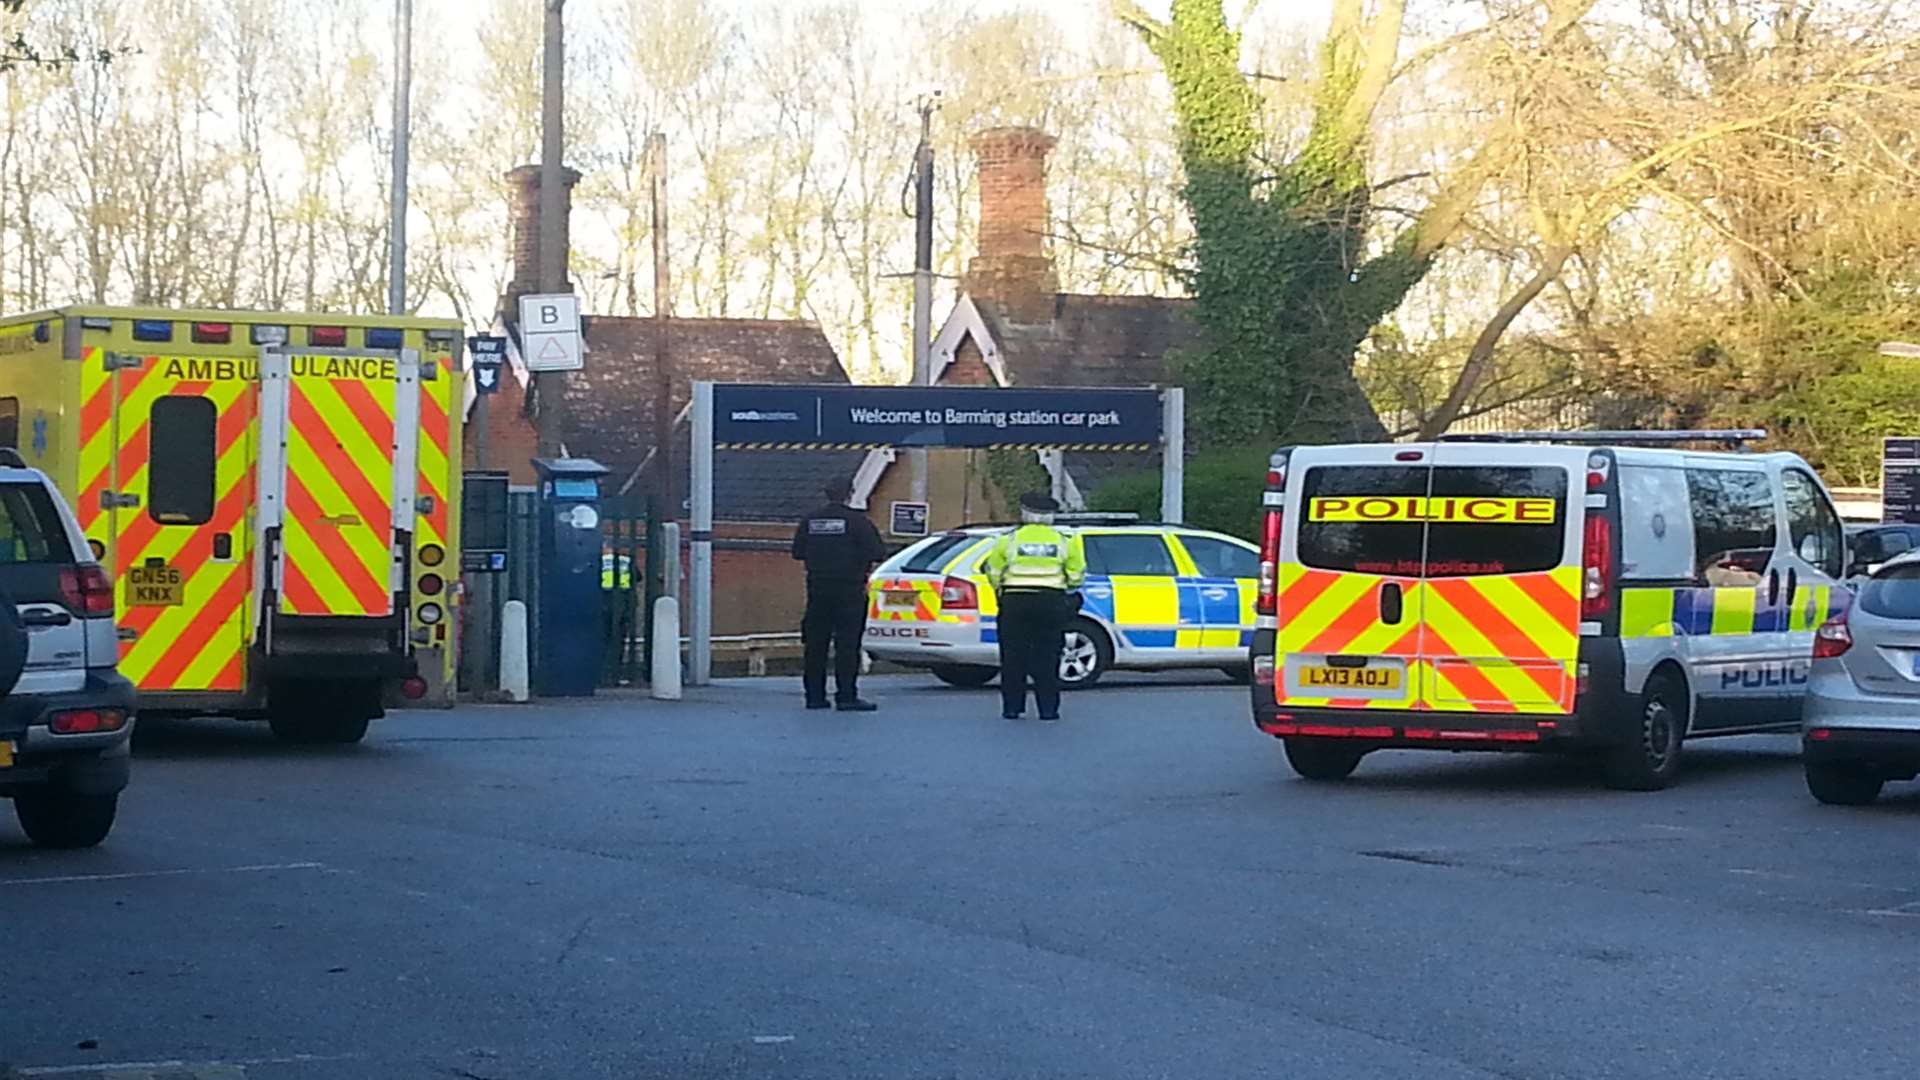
(1472, 520)
(932, 557)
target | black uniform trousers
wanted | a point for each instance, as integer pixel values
(837, 617)
(1032, 630)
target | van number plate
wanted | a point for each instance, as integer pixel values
(155, 586)
(1324, 676)
(6, 754)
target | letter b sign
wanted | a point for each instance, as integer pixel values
(550, 332)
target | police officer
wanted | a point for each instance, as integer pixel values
(840, 547)
(1032, 569)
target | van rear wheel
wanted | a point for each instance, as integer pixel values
(1323, 759)
(1650, 758)
(313, 714)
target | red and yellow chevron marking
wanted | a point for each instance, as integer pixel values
(926, 606)
(1502, 643)
(337, 534)
(1497, 644)
(201, 644)
(436, 466)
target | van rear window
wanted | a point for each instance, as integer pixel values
(1451, 521)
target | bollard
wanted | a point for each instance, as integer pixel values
(666, 655)
(514, 677)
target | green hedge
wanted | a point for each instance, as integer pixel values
(1223, 490)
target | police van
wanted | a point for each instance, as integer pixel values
(1604, 592)
(1156, 597)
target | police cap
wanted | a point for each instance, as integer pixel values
(1039, 503)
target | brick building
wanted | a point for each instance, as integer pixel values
(1012, 326)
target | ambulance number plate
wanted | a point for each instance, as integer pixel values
(1327, 677)
(155, 586)
(896, 600)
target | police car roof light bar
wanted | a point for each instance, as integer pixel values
(1730, 436)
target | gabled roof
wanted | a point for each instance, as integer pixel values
(1090, 341)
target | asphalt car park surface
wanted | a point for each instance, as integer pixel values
(732, 887)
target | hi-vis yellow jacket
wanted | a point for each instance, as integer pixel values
(1037, 557)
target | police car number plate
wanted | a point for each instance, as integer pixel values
(899, 601)
(155, 586)
(1350, 678)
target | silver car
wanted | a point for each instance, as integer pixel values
(1862, 724)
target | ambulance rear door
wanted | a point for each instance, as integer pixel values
(1502, 579)
(166, 490)
(337, 481)
(1349, 578)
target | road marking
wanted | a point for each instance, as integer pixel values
(261, 868)
(1904, 911)
(771, 1040)
(156, 1066)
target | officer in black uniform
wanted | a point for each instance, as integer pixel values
(840, 547)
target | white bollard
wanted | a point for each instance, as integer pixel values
(513, 651)
(666, 649)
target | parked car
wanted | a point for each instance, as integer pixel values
(66, 724)
(1157, 597)
(1868, 546)
(1862, 725)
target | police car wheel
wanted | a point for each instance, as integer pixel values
(1323, 759)
(968, 676)
(1650, 758)
(1239, 673)
(1085, 656)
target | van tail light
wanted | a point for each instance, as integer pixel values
(1268, 602)
(959, 594)
(1596, 596)
(87, 590)
(1832, 639)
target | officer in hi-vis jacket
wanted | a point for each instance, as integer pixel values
(1033, 570)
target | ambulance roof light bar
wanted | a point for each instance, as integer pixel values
(1729, 436)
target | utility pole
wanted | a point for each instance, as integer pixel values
(402, 125)
(923, 273)
(550, 387)
(663, 547)
(663, 410)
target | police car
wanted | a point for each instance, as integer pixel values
(1156, 597)
(1612, 593)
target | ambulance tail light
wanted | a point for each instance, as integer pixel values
(1833, 639)
(1596, 597)
(87, 590)
(959, 594)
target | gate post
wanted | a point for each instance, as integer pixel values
(700, 537)
(1173, 455)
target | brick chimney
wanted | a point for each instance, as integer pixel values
(1012, 267)
(525, 218)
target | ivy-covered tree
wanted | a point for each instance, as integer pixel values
(1289, 271)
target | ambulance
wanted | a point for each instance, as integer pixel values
(1606, 593)
(274, 495)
